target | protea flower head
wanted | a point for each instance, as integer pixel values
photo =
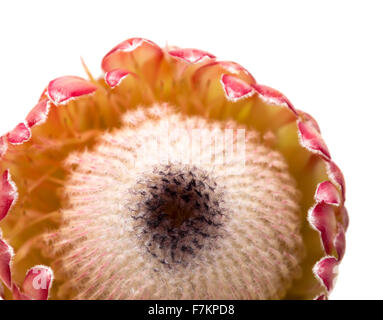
(174, 176)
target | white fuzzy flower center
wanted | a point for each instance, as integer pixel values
(148, 219)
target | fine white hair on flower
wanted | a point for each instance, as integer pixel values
(150, 229)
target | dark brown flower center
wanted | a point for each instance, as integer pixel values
(179, 210)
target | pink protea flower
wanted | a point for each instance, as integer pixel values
(104, 183)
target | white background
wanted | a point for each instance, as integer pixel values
(326, 56)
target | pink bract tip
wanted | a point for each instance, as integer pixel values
(236, 89)
(327, 271)
(6, 254)
(114, 77)
(20, 134)
(312, 140)
(3, 146)
(322, 218)
(273, 96)
(8, 194)
(37, 282)
(337, 177)
(327, 193)
(38, 114)
(191, 55)
(65, 88)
